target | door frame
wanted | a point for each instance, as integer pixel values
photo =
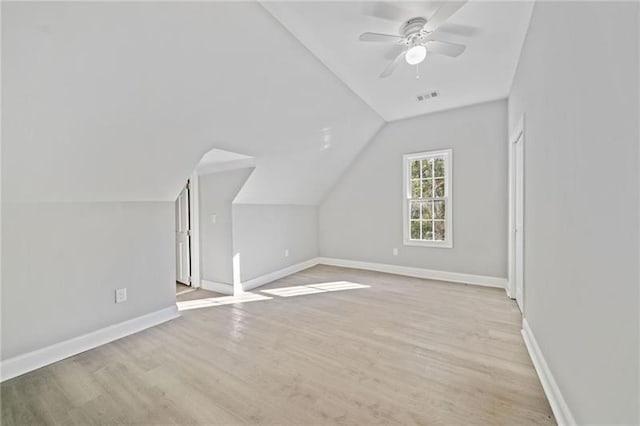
(517, 134)
(183, 236)
(194, 220)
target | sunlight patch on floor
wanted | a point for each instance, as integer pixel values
(185, 291)
(220, 301)
(300, 290)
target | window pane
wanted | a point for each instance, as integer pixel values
(439, 230)
(427, 188)
(427, 210)
(438, 210)
(415, 169)
(427, 230)
(439, 187)
(415, 210)
(416, 192)
(427, 168)
(415, 230)
(439, 167)
(427, 197)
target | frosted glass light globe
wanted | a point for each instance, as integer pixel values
(415, 55)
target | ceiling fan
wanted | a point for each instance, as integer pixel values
(415, 37)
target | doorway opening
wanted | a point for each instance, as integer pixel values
(183, 240)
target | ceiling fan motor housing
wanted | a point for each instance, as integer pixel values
(413, 27)
(413, 31)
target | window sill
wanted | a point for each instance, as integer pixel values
(436, 244)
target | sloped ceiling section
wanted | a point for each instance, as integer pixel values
(119, 101)
(305, 172)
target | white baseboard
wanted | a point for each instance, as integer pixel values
(418, 272)
(558, 404)
(217, 287)
(379, 267)
(267, 278)
(24, 363)
(507, 286)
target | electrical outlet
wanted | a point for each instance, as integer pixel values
(395, 251)
(214, 218)
(121, 295)
(286, 252)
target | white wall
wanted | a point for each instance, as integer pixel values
(261, 233)
(317, 162)
(577, 83)
(216, 192)
(361, 219)
(258, 233)
(63, 261)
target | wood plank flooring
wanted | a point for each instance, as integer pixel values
(181, 288)
(196, 294)
(395, 350)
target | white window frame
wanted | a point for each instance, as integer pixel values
(448, 196)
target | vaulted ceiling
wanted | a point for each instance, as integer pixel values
(119, 101)
(493, 32)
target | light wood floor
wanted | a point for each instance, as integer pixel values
(181, 288)
(400, 351)
(196, 294)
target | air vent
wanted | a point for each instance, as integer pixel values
(427, 96)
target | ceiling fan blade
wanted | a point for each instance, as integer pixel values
(445, 48)
(383, 10)
(379, 38)
(456, 29)
(443, 13)
(392, 65)
(394, 51)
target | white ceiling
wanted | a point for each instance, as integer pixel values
(218, 156)
(483, 72)
(218, 160)
(118, 101)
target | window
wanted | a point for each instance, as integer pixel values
(427, 199)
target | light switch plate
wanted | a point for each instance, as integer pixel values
(121, 295)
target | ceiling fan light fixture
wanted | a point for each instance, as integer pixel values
(416, 54)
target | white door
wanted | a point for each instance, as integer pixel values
(183, 246)
(518, 209)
